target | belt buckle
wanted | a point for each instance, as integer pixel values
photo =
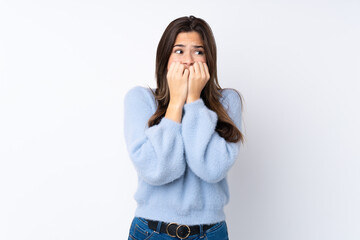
(167, 231)
(188, 234)
(177, 229)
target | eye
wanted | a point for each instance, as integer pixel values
(178, 51)
(200, 52)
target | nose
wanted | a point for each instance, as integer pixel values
(187, 60)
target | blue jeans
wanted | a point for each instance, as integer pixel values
(139, 230)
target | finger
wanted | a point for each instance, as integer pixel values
(207, 71)
(191, 71)
(172, 65)
(177, 64)
(202, 70)
(170, 71)
(186, 73)
(180, 69)
(176, 69)
(197, 68)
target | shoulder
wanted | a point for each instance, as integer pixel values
(139, 95)
(230, 97)
(232, 102)
(139, 92)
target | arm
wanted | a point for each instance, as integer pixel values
(209, 156)
(156, 152)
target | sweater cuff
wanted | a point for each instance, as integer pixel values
(195, 105)
(170, 123)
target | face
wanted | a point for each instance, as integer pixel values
(188, 48)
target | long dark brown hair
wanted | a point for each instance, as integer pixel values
(211, 92)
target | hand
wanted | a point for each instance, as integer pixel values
(198, 77)
(177, 78)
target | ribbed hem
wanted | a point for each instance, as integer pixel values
(195, 217)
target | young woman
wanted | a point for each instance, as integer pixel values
(183, 137)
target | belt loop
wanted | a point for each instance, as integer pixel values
(158, 227)
(201, 231)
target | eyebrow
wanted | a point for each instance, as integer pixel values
(182, 45)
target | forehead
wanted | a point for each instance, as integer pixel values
(189, 38)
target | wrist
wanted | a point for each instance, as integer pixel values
(192, 99)
(175, 105)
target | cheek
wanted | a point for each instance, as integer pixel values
(202, 59)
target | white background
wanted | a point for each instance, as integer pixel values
(66, 65)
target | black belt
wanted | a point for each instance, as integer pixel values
(178, 230)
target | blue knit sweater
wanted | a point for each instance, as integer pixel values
(181, 167)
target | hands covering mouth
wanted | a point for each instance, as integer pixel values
(186, 82)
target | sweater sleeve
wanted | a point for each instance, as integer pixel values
(156, 152)
(209, 155)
